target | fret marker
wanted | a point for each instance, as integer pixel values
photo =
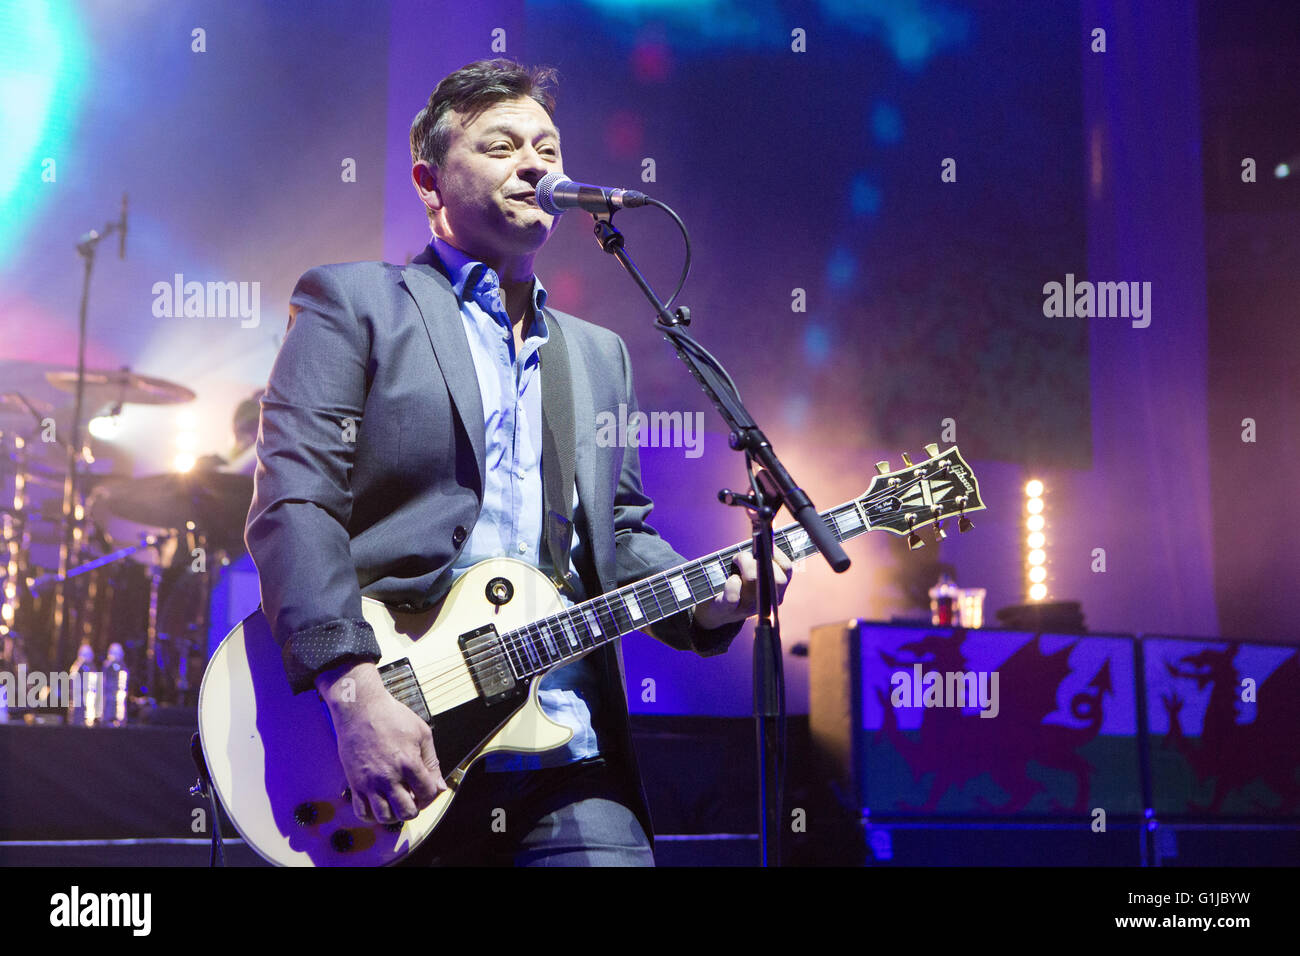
(680, 588)
(848, 521)
(568, 632)
(531, 649)
(550, 642)
(591, 621)
(717, 578)
(798, 540)
(633, 608)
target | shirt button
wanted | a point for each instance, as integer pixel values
(519, 473)
(523, 548)
(458, 536)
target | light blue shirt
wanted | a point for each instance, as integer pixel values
(510, 523)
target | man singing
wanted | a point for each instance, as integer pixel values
(421, 419)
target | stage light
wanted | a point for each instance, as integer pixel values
(105, 427)
(1035, 540)
(1282, 171)
(183, 462)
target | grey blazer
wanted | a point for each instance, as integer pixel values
(370, 472)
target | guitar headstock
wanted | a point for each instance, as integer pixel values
(921, 494)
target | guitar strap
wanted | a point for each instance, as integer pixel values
(558, 452)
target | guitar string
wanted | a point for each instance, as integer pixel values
(659, 588)
(659, 585)
(455, 679)
(456, 675)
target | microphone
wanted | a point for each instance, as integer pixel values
(121, 231)
(556, 193)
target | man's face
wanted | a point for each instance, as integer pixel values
(487, 183)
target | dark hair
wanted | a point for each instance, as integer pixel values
(471, 90)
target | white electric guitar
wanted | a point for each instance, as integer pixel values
(470, 667)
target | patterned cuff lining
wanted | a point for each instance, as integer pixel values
(710, 643)
(314, 649)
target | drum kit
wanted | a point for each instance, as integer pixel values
(73, 584)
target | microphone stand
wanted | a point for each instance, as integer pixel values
(774, 486)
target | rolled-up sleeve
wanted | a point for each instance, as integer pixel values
(297, 530)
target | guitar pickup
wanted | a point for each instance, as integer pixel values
(488, 664)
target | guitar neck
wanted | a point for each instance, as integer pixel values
(541, 645)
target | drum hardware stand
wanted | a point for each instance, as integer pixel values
(13, 523)
(147, 541)
(86, 248)
(202, 617)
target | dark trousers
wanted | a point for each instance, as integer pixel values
(576, 815)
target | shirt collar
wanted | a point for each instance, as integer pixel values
(468, 274)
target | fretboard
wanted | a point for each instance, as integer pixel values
(565, 636)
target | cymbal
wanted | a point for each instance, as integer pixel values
(26, 409)
(123, 386)
(216, 501)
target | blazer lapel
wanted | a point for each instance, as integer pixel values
(436, 300)
(557, 449)
(596, 495)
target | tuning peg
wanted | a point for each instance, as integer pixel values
(939, 533)
(906, 460)
(882, 467)
(932, 450)
(914, 541)
(964, 524)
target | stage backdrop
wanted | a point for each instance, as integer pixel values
(878, 194)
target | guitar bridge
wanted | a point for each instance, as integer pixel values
(399, 678)
(488, 664)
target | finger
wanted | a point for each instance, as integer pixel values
(748, 566)
(782, 561)
(378, 802)
(360, 807)
(781, 573)
(425, 780)
(402, 803)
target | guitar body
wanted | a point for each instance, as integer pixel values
(273, 757)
